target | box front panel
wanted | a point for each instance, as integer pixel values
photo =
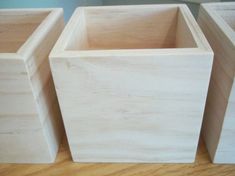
(132, 109)
(21, 134)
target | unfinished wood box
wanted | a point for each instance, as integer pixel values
(217, 20)
(30, 121)
(132, 83)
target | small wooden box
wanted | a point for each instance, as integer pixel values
(217, 20)
(30, 120)
(132, 83)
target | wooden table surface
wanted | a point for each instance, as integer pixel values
(65, 167)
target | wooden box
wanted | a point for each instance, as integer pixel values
(218, 23)
(132, 83)
(30, 120)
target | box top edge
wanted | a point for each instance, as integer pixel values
(61, 43)
(30, 9)
(10, 56)
(130, 52)
(132, 6)
(34, 40)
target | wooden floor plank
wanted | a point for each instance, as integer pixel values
(65, 167)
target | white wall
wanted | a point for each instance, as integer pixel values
(68, 5)
(193, 7)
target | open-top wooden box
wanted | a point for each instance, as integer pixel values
(132, 83)
(30, 123)
(218, 23)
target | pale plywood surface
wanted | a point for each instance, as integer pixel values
(65, 167)
(19, 122)
(15, 29)
(115, 110)
(133, 29)
(217, 22)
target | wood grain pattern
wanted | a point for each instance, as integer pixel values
(64, 166)
(122, 101)
(16, 27)
(217, 21)
(30, 122)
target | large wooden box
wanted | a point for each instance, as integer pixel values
(217, 20)
(30, 121)
(132, 83)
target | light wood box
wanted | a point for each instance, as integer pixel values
(132, 83)
(217, 21)
(30, 120)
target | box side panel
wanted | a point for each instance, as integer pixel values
(226, 150)
(221, 83)
(133, 109)
(43, 87)
(21, 133)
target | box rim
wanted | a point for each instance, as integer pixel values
(202, 44)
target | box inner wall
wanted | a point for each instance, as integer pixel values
(140, 28)
(16, 28)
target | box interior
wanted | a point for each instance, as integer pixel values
(16, 27)
(228, 16)
(135, 28)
